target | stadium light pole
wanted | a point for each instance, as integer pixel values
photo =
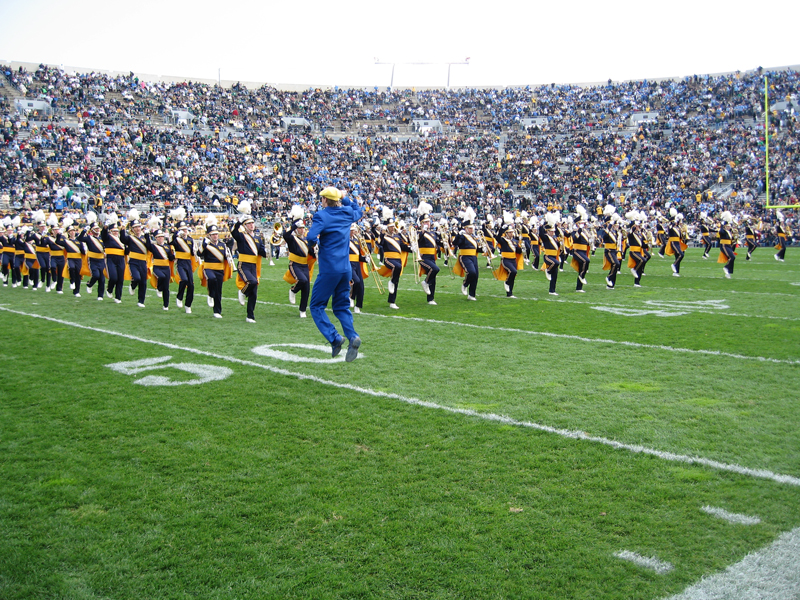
(448, 63)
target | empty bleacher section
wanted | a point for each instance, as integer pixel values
(123, 141)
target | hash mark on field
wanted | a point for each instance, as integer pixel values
(659, 566)
(565, 433)
(737, 518)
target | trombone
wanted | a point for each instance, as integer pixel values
(412, 235)
(370, 261)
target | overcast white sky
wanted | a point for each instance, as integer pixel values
(336, 43)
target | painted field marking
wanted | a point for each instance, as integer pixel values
(565, 433)
(637, 312)
(772, 573)
(659, 566)
(204, 373)
(737, 518)
(268, 351)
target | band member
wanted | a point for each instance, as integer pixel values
(611, 261)
(251, 251)
(564, 245)
(675, 244)
(705, 236)
(19, 259)
(750, 238)
(186, 265)
(275, 243)
(467, 244)
(661, 238)
(298, 273)
(162, 270)
(510, 250)
(57, 259)
(580, 249)
(727, 254)
(7, 241)
(525, 237)
(216, 269)
(638, 256)
(535, 245)
(115, 260)
(428, 245)
(487, 232)
(31, 269)
(395, 250)
(41, 243)
(358, 262)
(550, 250)
(136, 247)
(781, 234)
(97, 258)
(74, 259)
(331, 227)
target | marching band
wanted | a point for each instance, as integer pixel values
(115, 251)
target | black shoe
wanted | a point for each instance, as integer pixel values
(352, 349)
(336, 347)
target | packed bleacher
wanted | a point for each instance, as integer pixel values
(118, 141)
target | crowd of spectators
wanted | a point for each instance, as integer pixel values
(119, 141)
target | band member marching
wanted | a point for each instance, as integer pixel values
(782, 236)
(7, 241)
(186, 264)
(395, 253)
(750, 237)
(41, 242)
(551, 250)
(216, 268)
(727, 244)
(301, 261)
(467, 244)
(57, 259)
(97, 258)
(275, 241)
(611, 261)
(136, 248)
(705, 235)
(74, 258)
(638, 255)
(510, 256)
(358, 266)
(675, 245)
(428, 245)
(580, 248)
(115, 258)
(251, 251)
(162, 257)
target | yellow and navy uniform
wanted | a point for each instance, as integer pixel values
(705, 236)
(301, 262)
(215, 260)
(551, 250)
(611, 260)
(467, 246)
(675, 247)
(161, 257)
(74, 263)
(358, 268)
(429, 245)
(580, 255)
(750, 240)
(136, 248)
(510, 251)
(727, 246)
(186, 265)
(7, 246)
(95, 251)
(638, 257)
(780, 232)
(248, 275)
(115, 262)
(395, 252)
(41, 242)
(661, 239)
(57, 262)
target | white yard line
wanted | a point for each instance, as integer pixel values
(772, 573)
(737, 518)
(565, 433)
(659, 566)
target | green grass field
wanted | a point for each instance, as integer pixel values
(504, 448)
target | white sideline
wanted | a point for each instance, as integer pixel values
(772, 573)
(576, 435)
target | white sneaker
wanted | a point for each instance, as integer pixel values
(210, 301)
(357, 310)
(580, 291)
(250, 320)
(633, 272)
(115, 300)
(179, 303)
(776, 257)
(140, 305)
(471, 298)
(676, 274)
(165, 307)
(674, 268)
(505, 285)
(352, 303)
(547, 274)
(188, 310)
(426, 288)
(71, 285)
(432, 302)
(34, 288)
(302, 314)
(130, 289)
(727, 274)
(109, 294)
(159, 294)
(554, 293)
(394, 306)
(60, 292)
(40, 284)
(77, 295)
(292, 297)
(100, 298)
(242, 298)
(511, 296)
(217, 316)
(465, 290)
(582, 280)
(392, 287)
(47, 289)
(271, 264)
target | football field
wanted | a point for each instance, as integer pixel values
(635, 443)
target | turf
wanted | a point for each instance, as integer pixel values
(271, 484)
